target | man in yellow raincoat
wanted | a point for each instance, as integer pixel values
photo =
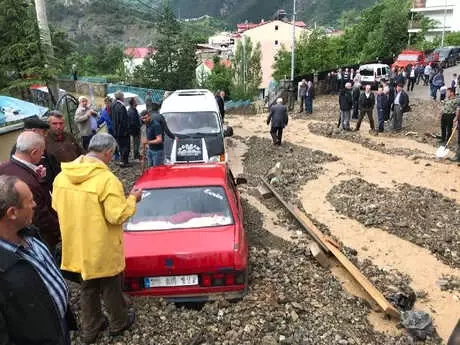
(92, 207)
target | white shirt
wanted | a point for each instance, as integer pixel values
(27, 164)
(397, 98)
(412, 73)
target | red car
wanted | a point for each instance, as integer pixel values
(409, 57)
(186, 242)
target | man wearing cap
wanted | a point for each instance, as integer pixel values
(48, 161)
(279, 118)
(60, 144)
(83, 117)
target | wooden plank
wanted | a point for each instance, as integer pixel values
(315, 234)
(376, 295)
(329, 246)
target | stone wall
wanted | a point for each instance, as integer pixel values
(66, 84)
(85, 88)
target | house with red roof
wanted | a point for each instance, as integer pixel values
(205, 68)
(134, 57)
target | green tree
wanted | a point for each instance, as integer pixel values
(247, 71)
(348, 18)
(452, 39)
(20, 57)
(174, 63)
(220, 77)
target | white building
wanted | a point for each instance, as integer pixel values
(445, 13)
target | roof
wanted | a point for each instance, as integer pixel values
(242, 27)
(125, 94)
(139, 53)
(186, 101)
(210, 63)
(184, 175)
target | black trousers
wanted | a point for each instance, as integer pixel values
(277, 134)
(124, 144)
(362, 114)
(410, 84)
(447, 124)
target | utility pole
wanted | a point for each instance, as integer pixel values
(47, 47)
(293, 42)
(444, 25)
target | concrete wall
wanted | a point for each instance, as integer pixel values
(272, 36)
(85, 88)
(68, 85)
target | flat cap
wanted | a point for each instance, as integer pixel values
(35, 123)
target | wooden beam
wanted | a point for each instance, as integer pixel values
(376, 295)
(330, 246)
(315, 233)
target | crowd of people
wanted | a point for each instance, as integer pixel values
(61, 215)
(138, 135)
(391, 100)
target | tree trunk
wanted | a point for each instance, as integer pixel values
(47, 49)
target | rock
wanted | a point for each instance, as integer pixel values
(269, 340)
(294, 316)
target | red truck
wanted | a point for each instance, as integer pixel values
(409, 57)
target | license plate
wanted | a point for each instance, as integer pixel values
(171, 281)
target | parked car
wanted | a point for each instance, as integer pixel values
(409, 57)
(186, 242)
(372, 74)
(447, 57)
(193, 116)
(128, 96)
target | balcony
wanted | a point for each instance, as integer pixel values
(433, 9)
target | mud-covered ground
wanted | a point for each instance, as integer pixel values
(421, 216)
(291, 299)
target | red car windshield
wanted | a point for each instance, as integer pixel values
(181, 208)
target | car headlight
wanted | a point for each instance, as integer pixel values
(217, 159)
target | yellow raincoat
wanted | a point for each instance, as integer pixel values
(91, 205)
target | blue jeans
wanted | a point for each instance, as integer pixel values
(381, 119)
(309, 105)
(155, 158)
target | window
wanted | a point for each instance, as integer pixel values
(276, 42)
(276, 27)
(181, 208)
(193, 122)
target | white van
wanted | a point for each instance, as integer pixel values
(193, 116)
(372, 74)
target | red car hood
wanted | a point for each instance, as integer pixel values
(170, 252)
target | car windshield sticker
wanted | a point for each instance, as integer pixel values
(214, 194)
(145, 194)
(189, 150)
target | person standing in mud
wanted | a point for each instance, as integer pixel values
(279, 119)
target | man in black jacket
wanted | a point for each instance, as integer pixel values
(220, 98)
(34, 306)
(355, 95)
(279, 118)
(49, 161)
(400, 106)
(346, 104)
(134, 127)
(366, 107)
(119, 116)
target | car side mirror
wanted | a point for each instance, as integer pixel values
(241, 180)
(228, 131)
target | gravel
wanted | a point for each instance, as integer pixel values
(421, 216)
(298, 164)
(291, 300)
